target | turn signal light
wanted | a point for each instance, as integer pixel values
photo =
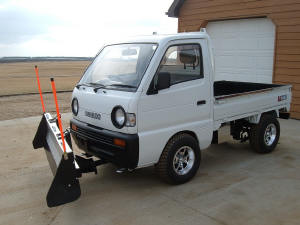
(74, 127)
(119, 142)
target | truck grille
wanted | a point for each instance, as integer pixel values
(94, 135)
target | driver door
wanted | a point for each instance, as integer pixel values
(184, 106)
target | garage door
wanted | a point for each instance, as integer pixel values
(243, 49)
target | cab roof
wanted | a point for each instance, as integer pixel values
(162, 38)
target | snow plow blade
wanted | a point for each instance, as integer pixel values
(65, 186)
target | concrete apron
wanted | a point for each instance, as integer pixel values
(233, 186)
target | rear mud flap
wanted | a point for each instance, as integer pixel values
(65, 186)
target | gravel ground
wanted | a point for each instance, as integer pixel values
(30, 105)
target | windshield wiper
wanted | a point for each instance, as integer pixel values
(84, 84)
(122, 85)
(97, 86)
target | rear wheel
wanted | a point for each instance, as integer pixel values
(264, 136)
(179, 160)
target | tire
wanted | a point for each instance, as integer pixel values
(174, 166)
(264, 136)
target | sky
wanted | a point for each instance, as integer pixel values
(77, 28)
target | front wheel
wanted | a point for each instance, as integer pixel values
(179, 160)
(264, 136)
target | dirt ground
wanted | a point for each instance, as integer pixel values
(30, 105)
(234, 186)
(17, 78)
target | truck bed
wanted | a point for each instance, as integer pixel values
(226, 89)
(235, 100)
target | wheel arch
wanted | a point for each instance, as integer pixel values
(255, 119)
(274, 113)
(192, 133)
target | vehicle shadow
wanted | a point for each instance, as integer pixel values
(217, 160)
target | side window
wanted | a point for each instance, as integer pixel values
(183, 62)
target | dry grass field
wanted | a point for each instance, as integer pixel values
(19, 78)
(20, 106)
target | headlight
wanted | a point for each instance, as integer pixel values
(75, 106)
(118, 117)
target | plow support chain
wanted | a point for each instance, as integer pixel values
(65, 186)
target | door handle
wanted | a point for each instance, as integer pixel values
(202, 102)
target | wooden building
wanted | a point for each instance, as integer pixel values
(254, 40)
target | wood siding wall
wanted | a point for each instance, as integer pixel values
(284, 14)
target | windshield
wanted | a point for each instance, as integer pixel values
(119, 66)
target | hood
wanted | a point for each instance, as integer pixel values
(102, 102)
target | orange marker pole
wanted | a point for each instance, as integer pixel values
(59, 120)
(39, 85)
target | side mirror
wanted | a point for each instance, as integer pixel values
(163, 81)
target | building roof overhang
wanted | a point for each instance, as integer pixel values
(174, 8)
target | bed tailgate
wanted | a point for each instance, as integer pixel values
(237, 106)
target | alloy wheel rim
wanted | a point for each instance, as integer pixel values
(183, 161)
(270, 134)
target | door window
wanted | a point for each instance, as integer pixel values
(183, 62)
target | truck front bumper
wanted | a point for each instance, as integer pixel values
(100, 142)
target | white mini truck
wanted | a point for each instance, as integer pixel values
(153, 100)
